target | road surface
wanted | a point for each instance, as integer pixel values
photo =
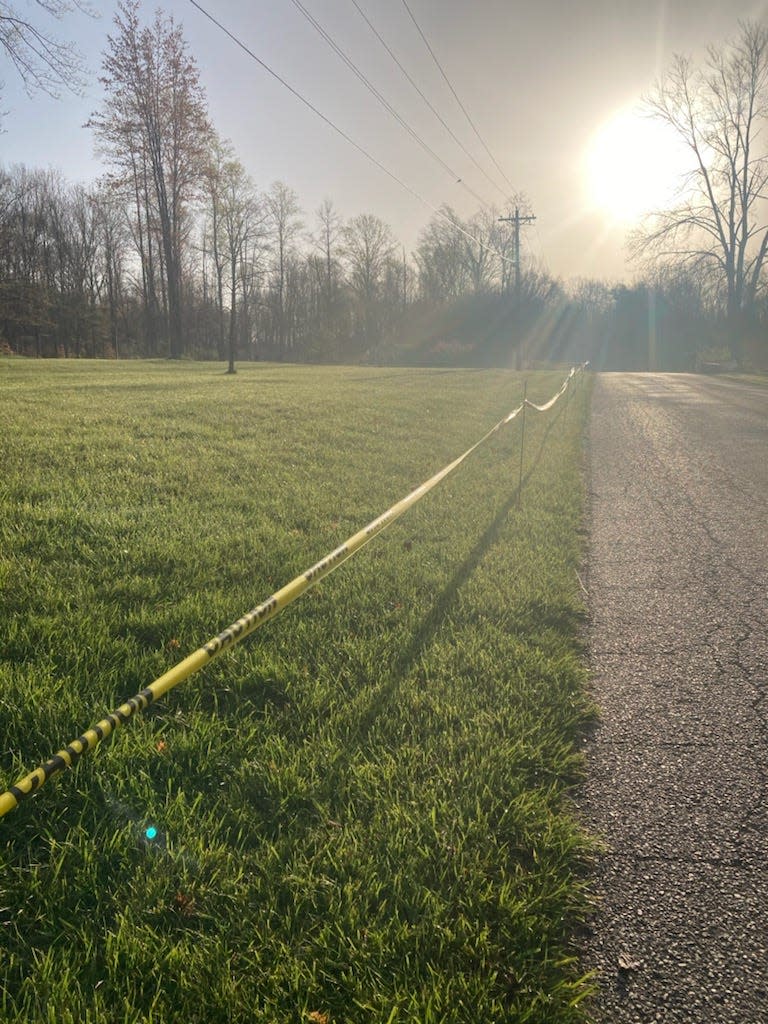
(677, 769)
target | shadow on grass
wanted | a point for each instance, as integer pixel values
(447, 599)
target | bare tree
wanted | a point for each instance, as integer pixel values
(454, 255)
(480, 253)
(368, 246)
(325, 271)
(283, 211)
(28, 260)
(154, 118)
(325, 241)
(220, 154)
(439, 257)
(43, 62)
(113, 238)
(251, 272)
(241, 220)
(60, 265)
(718, 230)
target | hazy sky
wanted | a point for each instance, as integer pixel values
(539, 80)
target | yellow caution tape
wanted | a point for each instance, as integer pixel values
(554, 398)
(244, 626)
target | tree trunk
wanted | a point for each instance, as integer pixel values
(232, 316)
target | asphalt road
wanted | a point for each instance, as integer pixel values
(678, 767)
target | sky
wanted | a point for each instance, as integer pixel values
(543, 83)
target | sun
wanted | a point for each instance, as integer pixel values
(633, 165)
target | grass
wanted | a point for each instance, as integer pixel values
(362, 811)
(754, 377)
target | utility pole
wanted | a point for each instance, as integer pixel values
(405, 282)
(517, 220)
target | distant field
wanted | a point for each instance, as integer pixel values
(362, 810)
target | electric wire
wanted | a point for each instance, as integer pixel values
(438, 211)
(382, 99)
(437, 114)
(456, 96)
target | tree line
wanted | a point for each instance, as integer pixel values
(175, 252)
(96, 271)
(83, 273)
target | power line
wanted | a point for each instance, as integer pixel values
(307, 103)
(382, 100)
(437, 114)
(456, 96)
(340, 131)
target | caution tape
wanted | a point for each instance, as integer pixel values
(554, 398)
(246, 624)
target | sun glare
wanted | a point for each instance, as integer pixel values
(633, 166)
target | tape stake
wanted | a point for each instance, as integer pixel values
(523, 406)
(245, 625)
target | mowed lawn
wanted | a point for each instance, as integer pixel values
(362, 811)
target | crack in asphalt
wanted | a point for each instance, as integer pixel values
(676, 769)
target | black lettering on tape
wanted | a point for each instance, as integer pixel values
(322, 567)
(374, 527)
(233, 632)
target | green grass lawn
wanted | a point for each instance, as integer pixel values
(756, 377)
(362, 810)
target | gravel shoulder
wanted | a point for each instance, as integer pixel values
(677, 768)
